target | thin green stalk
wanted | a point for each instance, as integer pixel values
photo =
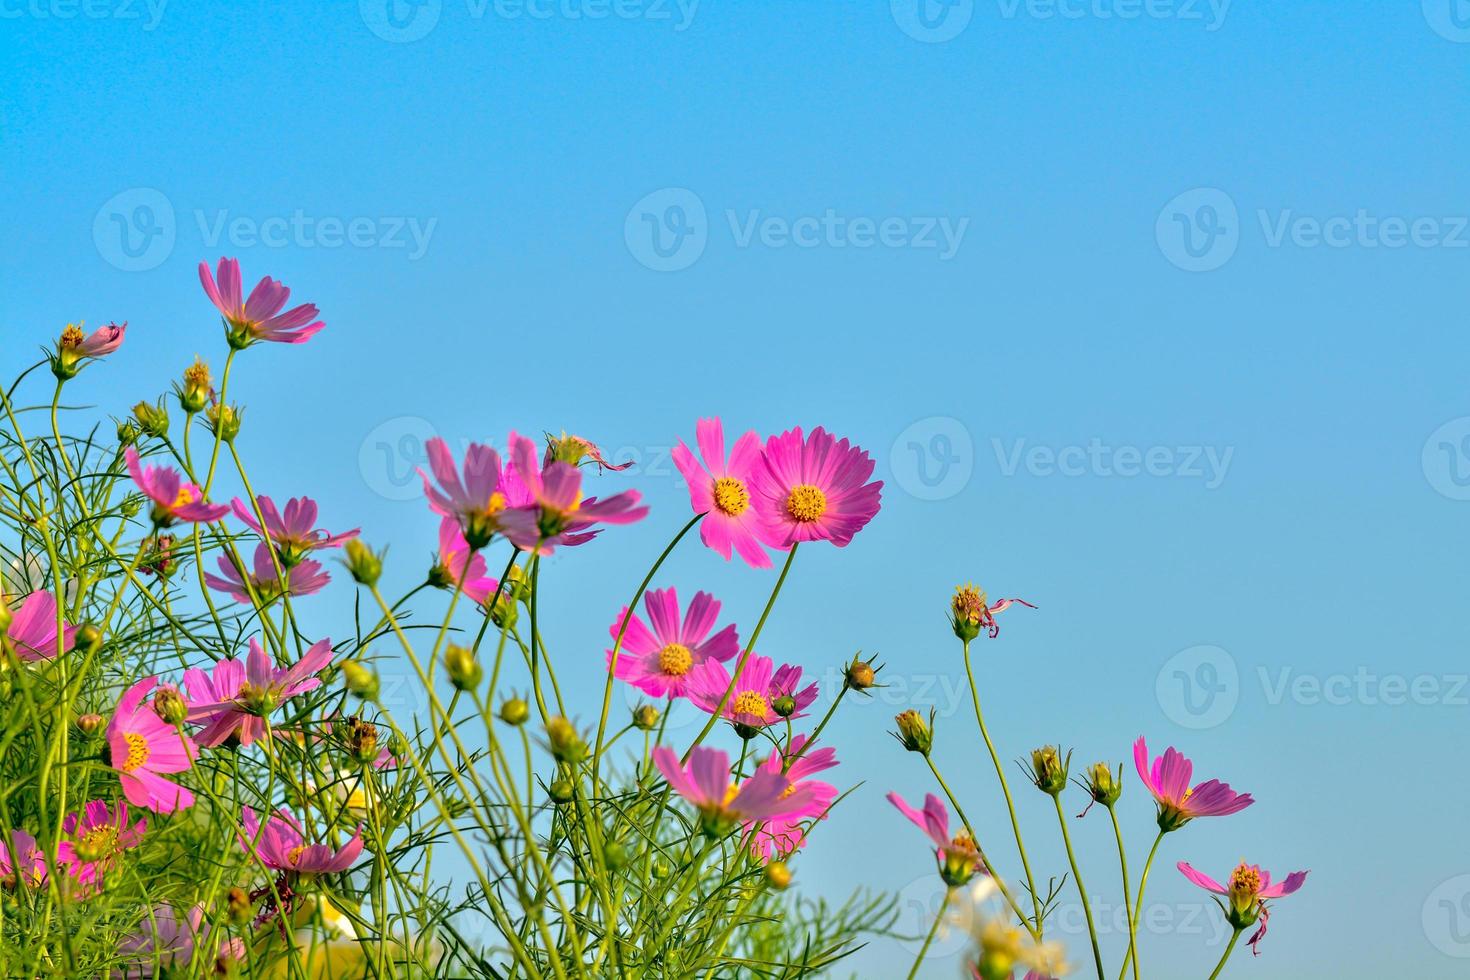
(1127, 901)
(1138, 908)
(929, 939)
(1230, 948)
(1081, 889)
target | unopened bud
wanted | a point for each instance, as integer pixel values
(914, 733)
(562, 790)
(90, 724)
(1049, 769)
(465, 672)
(1103, 785)
(127, 433)
(88, 637)
(562, 738)
(152, 419)
(615, 856)
(778, 875)
(196, 388)
(364, 565)
(860, 675)
(238, 907)
(645, 717)
(224, 421)
(785, 706)
(514, 711)
(170, 705)
(360, 679)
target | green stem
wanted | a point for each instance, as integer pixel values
(1138, 908)
(1127, 902)
(1081, 890)
(929, 939)
(1230, 948)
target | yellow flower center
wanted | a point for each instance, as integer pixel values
(964, 842)
(1245, 881)
(72, 336)
(294, 855)
(675, 660)
(495, 504)
(751, 703)
(806, 503)
(731, 497)
(185, 497)
(138, 751)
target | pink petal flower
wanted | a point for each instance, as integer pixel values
(813, 488)
(721, 491)
(659, 661)
(259, 317)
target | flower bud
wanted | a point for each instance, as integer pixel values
(1104, 787)
(90, 724)
(785, 706)
(360, 739)
(645, 717)
(1049, 769)
(514, 711)
(238, 907)
(196, 388)
(914, 733)
(67, 361)
(615, 856)
(131, 506)
(660, 868)
(170, 705)
(565, 744)
(224, 421)
(968, 611)
(562, 790)
(778, 875)
(152, 419)
(465, 672)
(959, 860)
(860, 675)
(127, 433)
(88, 637)
(360, 679)
(364, 565)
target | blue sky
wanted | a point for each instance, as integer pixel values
(1150, 311)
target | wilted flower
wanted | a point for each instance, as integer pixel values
(197, 387)
(970, 612)
(1248, 889)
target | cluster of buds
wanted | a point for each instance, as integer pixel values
(465, 672)
(1049, 769)
(914, 733)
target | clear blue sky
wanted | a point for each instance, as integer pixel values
(1151, 313)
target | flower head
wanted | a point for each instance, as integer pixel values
(784, 832)
(958, 856)
(238, 698)
(460, 566)
(141, 746)
(1248, 889)
(96, 837)
(575, 450)
(303, 578)
(1168, 780)
(721, 491)
(477, 500)
(21, 859)
(752, 703)
(164, 938)
(259, 317)
(813, 488)
(659, 661)
(76, 345)
(291, 530)
(278, 842)
(705, 782)
(554, 512)
(173, 499)
(32, 631)
(970, 612)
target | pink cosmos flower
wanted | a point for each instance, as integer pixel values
(33, 629)
(658, 661)
(76, 345)
(813, 488)
(1249, 888)
(958, 856)
(164, 939)
(238, 699)
(705, 782)
(141, 746)
(1168, 780)
(173, 499)
(304, 578)
(556, 513)
(752, 702)
(259, 317)
(459, 564)
(478, 500)
(279, 842)
(291, 532)
(95, 838)
(721, 491)
(784, 833)
(21, 859)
